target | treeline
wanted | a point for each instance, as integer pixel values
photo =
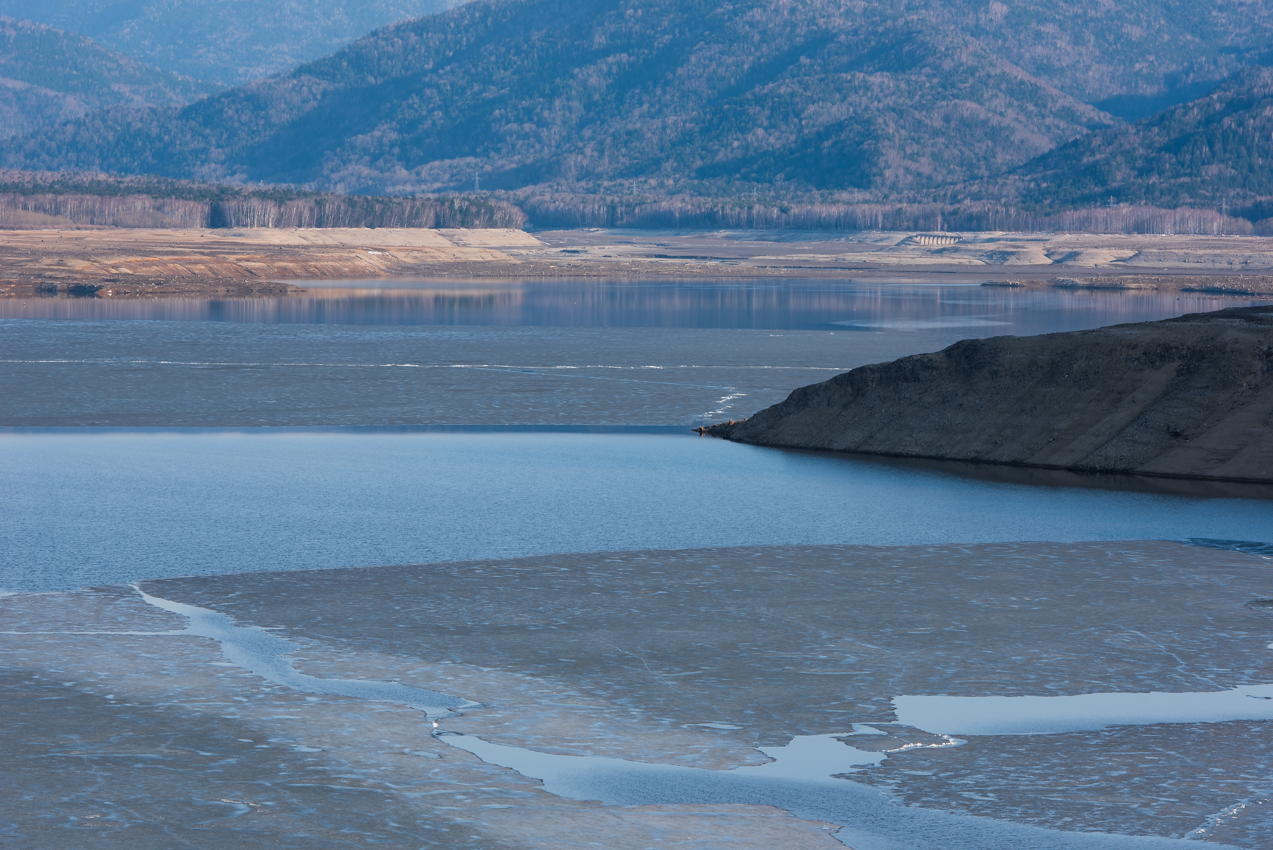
(248, 209)
(695, 214)
(365, 211)
(49, 199)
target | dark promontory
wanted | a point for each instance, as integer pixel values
(1189, 397)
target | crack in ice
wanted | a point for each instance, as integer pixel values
(256, 650)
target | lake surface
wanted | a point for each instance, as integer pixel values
(758, 305)
(106, 508)
(510, 353)
(469, 421)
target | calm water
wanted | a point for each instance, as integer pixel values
(758, 305)
(103, 508)
(551, 353)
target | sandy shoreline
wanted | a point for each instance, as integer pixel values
(689, 658)
(123, 263)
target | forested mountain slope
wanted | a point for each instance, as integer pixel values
(582, 94)
(229, 41)
(1132, 58)
(1132, 55)
(892, 99)
(1211, 152)
(47, 76)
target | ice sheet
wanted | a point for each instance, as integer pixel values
(265, 655)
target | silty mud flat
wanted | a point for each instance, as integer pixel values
(684, 662)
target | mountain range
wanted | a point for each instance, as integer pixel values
(49, 76)
(223, 41)
(891, 100)
(1214, 152)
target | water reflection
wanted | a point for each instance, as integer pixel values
(996, 473)
(761, 305)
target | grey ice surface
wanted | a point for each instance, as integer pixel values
(803, 778)
(266, 655)
(656, 682)
(758, 646)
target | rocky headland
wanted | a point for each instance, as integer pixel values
(1189, 397)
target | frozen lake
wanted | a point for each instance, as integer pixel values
(612, 645)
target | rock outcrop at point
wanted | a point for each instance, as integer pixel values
(1189, 397)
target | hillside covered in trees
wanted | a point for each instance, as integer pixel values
(48, 76)
(594, 106)
(1130, 58)
(225, 41)
(1213, 152)
(581, 94)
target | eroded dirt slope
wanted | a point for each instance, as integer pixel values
(1191, 397)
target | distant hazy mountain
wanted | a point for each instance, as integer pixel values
(47, 76)
(577, 93)
(1210, 152)
(229, 41)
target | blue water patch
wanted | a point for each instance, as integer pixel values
(110, 508)
(869, 819)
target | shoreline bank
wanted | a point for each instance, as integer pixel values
(132, 263)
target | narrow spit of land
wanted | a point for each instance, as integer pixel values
(1189, 397)
(123, 263)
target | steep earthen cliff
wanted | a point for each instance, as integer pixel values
(1189, 397)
